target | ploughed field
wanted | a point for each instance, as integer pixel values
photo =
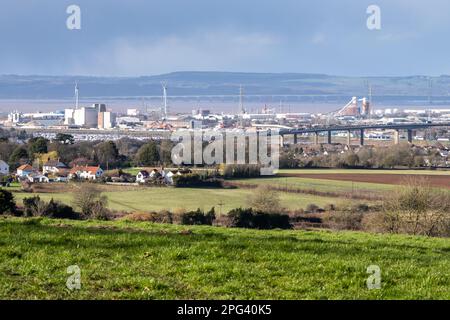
(140, 260)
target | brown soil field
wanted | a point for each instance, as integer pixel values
(396, 179)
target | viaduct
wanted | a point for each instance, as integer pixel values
(409, 128)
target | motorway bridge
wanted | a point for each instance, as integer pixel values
(409, 128)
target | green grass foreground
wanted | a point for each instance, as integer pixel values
(131, 260)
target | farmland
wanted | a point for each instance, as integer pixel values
(332, 187)
(130, 260)
(155, 199)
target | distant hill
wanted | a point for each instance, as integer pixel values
(217, 83)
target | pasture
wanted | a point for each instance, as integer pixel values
(131, 260)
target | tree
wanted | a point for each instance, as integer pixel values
(107, 154)
(37, 146)
(7, 203)
(90, 201)
(19, 156)
(165, 152)
(264, 199)
(351, 159)
(417, 208)
(148, 154)
(65, 138)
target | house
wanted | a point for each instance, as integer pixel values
(142, 176)
(87, 173)
(155, 173)
(62, 176)
(25, 170)
(4, 168)
(37, 178)
(168, 177)
(53, 167)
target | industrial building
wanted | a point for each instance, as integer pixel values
(94, 116)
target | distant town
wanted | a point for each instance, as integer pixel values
(98, 122)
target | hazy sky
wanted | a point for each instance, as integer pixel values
(146, 37)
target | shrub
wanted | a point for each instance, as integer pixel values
(197, 181)
(59, 210)
(247, 218)
(155, 217)
(312, 208)
(7, 204)
(198, 217)
(417, 208)
(265, 199)
(91, 203)
(35, 207)
(344, 220)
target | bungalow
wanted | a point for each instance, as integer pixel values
(4, 168)
(155, 173)
(37, 178)
(87, 173)
(25, 170)
(142, 176)
(53, 167)
(168, 177)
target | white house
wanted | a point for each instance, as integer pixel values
(38, 178)
(168, 176)
(25, 170)
(4, 168)
(53, 166)
(155, 173)
(142, 176)
(87, 173)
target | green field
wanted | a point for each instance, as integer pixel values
(150, 199)
(322, 185)
(124, 260)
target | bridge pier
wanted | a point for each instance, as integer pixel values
(316, 138)
(410, 136)
(281, 140)
(329, 137)
(396, 136)
(295, 138)
(361, 137)
(349, 138)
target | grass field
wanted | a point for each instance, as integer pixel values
(124, 260)
(318, 184)
(150, 199)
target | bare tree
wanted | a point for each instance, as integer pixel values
(417, 208)
(88, 199)
(264, 199)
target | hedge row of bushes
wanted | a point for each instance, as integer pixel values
(197, 181)
(237, 218)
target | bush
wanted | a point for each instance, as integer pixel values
(233, 171)
(197, 181)
(35, 207)
(312, 208)
(265, 199)
(155, 217)
(59, 210)
(7, 203)
(91, 203)
(247, 218)
(344, 220)
(198, 217)
(417, 209)
(31, 206)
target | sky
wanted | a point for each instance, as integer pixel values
(148, 37)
